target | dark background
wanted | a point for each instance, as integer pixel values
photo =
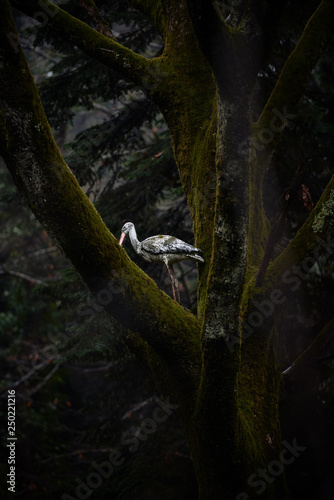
(80, 394)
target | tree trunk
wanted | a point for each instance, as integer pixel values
(221, 367)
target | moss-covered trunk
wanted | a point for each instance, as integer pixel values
(235, 418)
(221, 366)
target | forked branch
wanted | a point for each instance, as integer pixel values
(91, 42)
(295, 74)
(314, 238)
(55, 197)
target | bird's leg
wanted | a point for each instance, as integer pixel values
(176, 284)
(172, 280)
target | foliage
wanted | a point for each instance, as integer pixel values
(116, 142)
(113, 152)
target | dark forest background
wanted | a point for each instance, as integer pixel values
(79, 392)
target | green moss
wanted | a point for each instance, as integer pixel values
(154, 9)
(57, 200)
(238, 390)
(325, 214)
(319, 224)
(296, 72)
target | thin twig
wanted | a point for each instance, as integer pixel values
(318, 344)
(23, 379)
(36, 253)
(44, 381)
(102, 368)
(129, 413)
(99, 21)
(78, 452)
(26, 277)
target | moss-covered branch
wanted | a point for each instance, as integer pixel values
(155, 10)
(101, 24)
(53, 194)
(266, 16)
(90, 41)
(315, 238)
(295, 74)
(279, 223)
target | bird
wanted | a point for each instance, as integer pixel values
(162, 248)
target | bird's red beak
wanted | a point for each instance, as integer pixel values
(121, 238)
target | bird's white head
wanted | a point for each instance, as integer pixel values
(125, 229)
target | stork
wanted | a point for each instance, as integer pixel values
(162, 248)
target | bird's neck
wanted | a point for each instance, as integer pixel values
(134, 240)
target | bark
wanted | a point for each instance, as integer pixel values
(295, 74)
(313, 239)
(221, 366)
(47, 185)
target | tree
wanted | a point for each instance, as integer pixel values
(221, 365)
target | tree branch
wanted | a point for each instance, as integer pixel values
(31, 280)
(155, 10)
(215, 36)
(266, 16)
(55, 197)
(295, 74)
(36, 253)
(314, 238)
(94, 13)
(90, 41)
(278, 225)
(25, 377)
(44, 381)
(311, 353)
